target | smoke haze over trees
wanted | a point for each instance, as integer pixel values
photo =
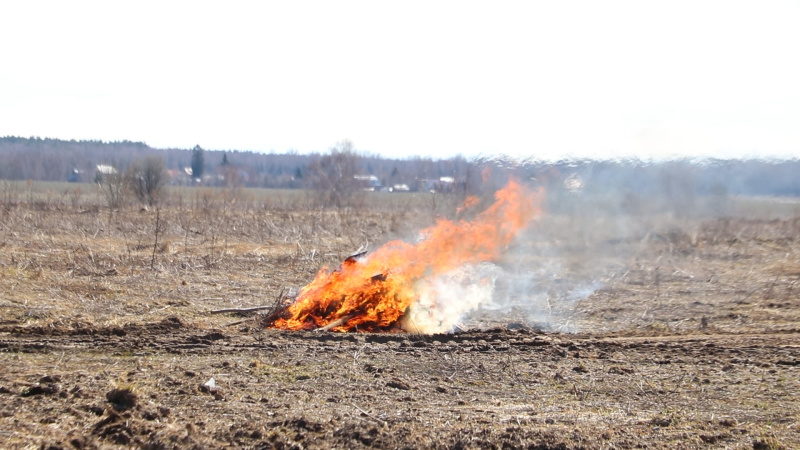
(61, 160)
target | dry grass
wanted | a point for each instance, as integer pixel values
(64, 264)
(70, 262)
(686, 331)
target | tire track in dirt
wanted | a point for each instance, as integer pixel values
(172, 336)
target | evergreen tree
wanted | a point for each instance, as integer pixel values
(197, 162)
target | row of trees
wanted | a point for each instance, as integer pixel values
(57, 160)
(143, 170)
(333, 176)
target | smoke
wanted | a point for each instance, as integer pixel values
(443, 300)
(487, 295)
(602, 219)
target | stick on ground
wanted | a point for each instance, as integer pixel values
(241, 310)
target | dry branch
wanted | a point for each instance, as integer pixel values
(340, 321)
(239, 322)
(366, 414)
(241, 310)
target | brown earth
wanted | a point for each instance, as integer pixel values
(686, 338)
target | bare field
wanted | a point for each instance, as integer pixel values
(654, 331)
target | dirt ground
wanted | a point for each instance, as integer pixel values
(681, 335)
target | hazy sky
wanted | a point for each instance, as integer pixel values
(530, 78)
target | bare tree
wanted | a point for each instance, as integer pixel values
(146, 178)
(333, 175)
(112, 186)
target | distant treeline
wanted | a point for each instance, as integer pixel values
(61, 160)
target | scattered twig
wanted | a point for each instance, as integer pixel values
(379, 420)
(357, 353)
(238, 322)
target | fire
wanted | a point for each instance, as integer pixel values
(374, 293)
(469, 202)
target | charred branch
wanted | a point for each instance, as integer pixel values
(338, 322)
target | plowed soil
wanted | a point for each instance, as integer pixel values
(688, 339)
(493, 388)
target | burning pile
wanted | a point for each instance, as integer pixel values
(396, 286)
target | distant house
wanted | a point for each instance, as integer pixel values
(106, 169)
(75, 176)
(368, 182)
(443, 184)
(102, 171)
(174, 175)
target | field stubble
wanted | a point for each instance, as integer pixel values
(683, 331)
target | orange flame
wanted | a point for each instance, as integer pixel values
(469, 202)
(373, 294)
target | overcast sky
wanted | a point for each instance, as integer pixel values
(433, 78)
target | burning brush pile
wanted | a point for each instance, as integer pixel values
(422, 288)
